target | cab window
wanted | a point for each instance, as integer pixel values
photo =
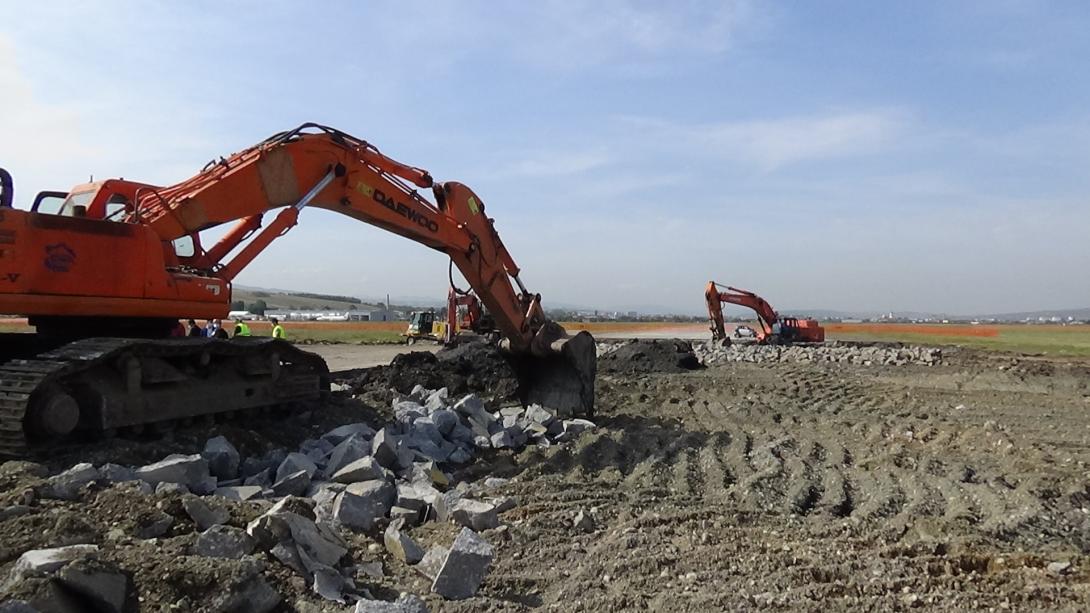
(184, 247)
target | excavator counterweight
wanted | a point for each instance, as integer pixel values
(106, 273)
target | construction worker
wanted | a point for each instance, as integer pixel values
(241, 329)
(194, 329)
(278, 330)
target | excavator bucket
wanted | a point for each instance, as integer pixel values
(559, 375)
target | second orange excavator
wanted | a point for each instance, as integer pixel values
(774, 329)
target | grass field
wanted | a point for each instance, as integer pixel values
(1053, 340)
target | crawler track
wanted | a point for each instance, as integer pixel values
(127, 384)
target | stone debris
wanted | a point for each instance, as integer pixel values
(1059, 568)
(833, 352)
(40, 562)
(362, 507)
(432, 561)
(224, 542)
(475, 514)
(583, 522)
(168, 489)
(294, 463)
(116, 473)
(222, 457)
(405, 603)
(295, 484)
(69, 484)
(239, 492)
(363, 469)
(153, 524)
(464, 568)
(400, 545)
(188, 470)
(204, 514)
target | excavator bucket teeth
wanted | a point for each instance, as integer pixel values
(562, 380)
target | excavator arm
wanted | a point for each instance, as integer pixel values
(318, 166)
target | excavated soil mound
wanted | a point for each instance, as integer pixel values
(646, 356)
(472, 368)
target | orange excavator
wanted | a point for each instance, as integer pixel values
(464, 312)
(104, 272)
(774, 329)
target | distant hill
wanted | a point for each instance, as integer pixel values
(301, 301)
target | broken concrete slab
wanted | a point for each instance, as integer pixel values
(338, 434)
(445, 420)
(384, 448)
(69, 484)
(540, 415)
(116, 473)
(410, 516)
(502, 440)
(583, 522)
(40, 562)
(474, 514)
(573, 428)
(263, 479)
(153, 524)
(188, 470)
(223, 458)
(240, 492)
(361, 512)
(329, 584)
(346, 452)
(363, 469)
(438, 399)
(203, 514)
(464, 568)
(400, 545)
(380, 488)
(405, 603)
(432, 561)
(294, 463)
(295, 484)
(226, 542)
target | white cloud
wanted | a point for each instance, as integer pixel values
(773, 143)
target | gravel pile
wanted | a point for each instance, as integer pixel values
(713, 353)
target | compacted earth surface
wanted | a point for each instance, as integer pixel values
(832, 478)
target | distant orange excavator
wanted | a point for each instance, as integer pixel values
(774, 329)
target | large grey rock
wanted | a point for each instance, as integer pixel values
(388, 450)
(116, 473)
(224, 542)
(99, 585)
(474, 514)
(426, 428)
(464, 568)
(438, 399)
(400, 545)
(459, 434)
(410, 497)
(461, 455)
(295, 484)
(203, 514)
(288, 521)
(432, 561)
(361, 512)
(338, 434)
(223, 458)
(329, 584)
(363, 469)
(190, 471)
(503, 440)
(349, 450)
(40, 562)
(240, 492)
(445, 421)
(405, 603)
(69, 484)
(294, 463)
(380, 488)
(262, 479)
(167, 488)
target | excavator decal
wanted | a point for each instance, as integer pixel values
(59, 257)
(405, 211)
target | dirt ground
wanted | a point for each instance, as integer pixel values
(736, 487)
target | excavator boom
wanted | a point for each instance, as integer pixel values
(125, 259)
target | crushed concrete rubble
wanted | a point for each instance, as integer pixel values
(297, 511)
(832, 352)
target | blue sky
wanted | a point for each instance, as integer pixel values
(930, 156)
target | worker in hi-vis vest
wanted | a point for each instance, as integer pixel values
(241, 329)
(278, 330)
